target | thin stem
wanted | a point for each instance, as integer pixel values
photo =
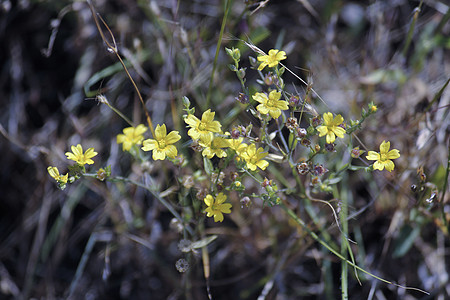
(219, 42)
(291, 214)
(156, 195)
(411, 29)
(112, 47)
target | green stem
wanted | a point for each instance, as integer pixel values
(292, 214)
(219, 42)
(411, 29)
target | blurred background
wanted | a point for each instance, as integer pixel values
(98, 240)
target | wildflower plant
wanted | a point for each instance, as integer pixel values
(286, 133)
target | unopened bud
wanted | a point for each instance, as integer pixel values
(302, 168)
(301, 132)
(243, 98)
(294, 101)
(330, 147)
(245, 202)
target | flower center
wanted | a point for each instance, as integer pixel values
(271, 102)
(162, 144)
(202, 126)
(383, 157)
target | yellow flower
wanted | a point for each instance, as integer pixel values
(53, 171)
(254, 158)
(383, 159)
(213, 146)
(131, 136)
(201, 129)
(237, 145)
(162, 144)
(271, 105)
(78, 156)
(373, 108)
(272, 59)
(217, 207)
(331, 127)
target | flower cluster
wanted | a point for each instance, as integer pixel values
(247, 150)
(81, 158)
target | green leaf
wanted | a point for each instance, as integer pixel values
(203, 242)
(209, 169)
(405, 240)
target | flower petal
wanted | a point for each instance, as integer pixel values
(221, 198)
(218, 217)
(160, 132)
(328, 118)
(171, 151)
(172, 137)
(262, 164)
(372, 155)
(384, 147)
(158, 154)
(149, 145)
(330, 137)
(226, 208)
(389, 165)
(378, 165)
(209, 200)
(393, 154)
(339, 131)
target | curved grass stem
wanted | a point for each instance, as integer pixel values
(292, 215)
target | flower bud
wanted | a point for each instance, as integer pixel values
(330, 147)
(268, 78)
(186, 102)
(245, 202)
(235, 133)
(241, 73)
(316, 121)
(302, 168)
(253, 62)
(356, 153)
(305, 142)
(101, 174)
(243, 98)
(319, 170)
(301, 132)
(291, 124)
(294, 101)
(266, 182)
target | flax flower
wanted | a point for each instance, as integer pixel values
(217, 207)
(201, 129)
(272, 59)
(383, 159)
(54, 172)
(131, 136)
(162, 144)
(331, 127)
(254, 158)
(213, 146)
(80, 157)
(271, 105)
(238, 145)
